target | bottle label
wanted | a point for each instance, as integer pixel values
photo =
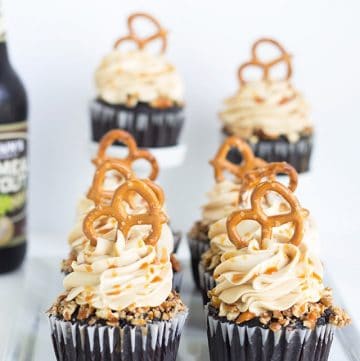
(13, 184)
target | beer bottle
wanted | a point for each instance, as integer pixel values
(13, 162)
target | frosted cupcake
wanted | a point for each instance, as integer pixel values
(139, 91)
(272, 204)
(111, 173)
(270, 302)
(118, 301)
(270, 114)
(222, 199)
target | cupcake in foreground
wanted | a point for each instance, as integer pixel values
(139, 91)
(270, 114)
(270, 302)
(111, 173)
(272, 204)
(118, 302)
(222, 199)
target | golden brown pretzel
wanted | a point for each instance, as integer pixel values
(131, 198)
(154, 216)
(269, 171)
(266, 66)
(134, 153)
(97, 193)
(256, 213)
(220, 162)
(141, 43)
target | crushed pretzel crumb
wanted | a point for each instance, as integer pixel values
(136, 316)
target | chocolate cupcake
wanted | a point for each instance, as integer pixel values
(139, 91)
(118, 301)
(270, 114)
(269, 302)
(222, 199)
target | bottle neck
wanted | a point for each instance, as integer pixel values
(4, 59)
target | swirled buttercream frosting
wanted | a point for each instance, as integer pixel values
(248, 230)
(114, 275)
(272, 279)
(127, 78)
(267, 109)
(222, 200)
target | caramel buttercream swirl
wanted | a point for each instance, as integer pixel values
(114, 275)
(248, 230)
(267, 108)
(222, 201)
(272, 279)
(127, 78)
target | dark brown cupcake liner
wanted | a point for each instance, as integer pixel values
(149, 126)
(158, 341)
(177, 239)
(207, 282)
(177, 280)
(297, 154)
(197, 248)
(231, 342)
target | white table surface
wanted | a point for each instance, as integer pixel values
(26, 294)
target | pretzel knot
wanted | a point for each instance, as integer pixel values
(267, 223)
(142, 42)
(269, 172)
(134, 153)
(220, 162)
(97, 193)
(153, 216)
(266, 66)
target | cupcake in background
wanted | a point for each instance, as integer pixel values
(270, 302)
(222, 198)
(139, 90)
(118, 301)
(270, 114)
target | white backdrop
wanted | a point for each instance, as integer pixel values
(56, 46)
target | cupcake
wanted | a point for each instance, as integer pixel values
(272, 204)
(222, 199)
(110, 173)
(270, 114)
(139, 91)
(118, 302)
(270, 302)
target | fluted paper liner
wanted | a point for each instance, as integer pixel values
(158, 341)
(297, 154)
(150, 127)
(207, 282)
(197, 248)
(231, 342)
(177, 280)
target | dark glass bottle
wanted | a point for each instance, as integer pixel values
(13, 163)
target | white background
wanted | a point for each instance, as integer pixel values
(56, 46)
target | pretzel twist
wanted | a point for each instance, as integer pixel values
(270, 171)
(154, 216)
(134, 153)
(266, 66)
(142, 42)
(267, 223)
(97, 193)
(220, 162)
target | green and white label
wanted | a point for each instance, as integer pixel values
(13, 183)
